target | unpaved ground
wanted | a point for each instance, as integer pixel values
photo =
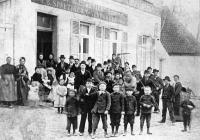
(25, 123)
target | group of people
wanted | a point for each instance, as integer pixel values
(94, 91)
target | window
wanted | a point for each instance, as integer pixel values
(113, 35)
(85, 45)
(107, 33)
(85, 29)
(114, 45)
(98, 32)
(142, 40)
(125, 37)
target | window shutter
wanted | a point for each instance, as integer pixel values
(98, 32)
(140, 40)
(107, 33)
(75, 27)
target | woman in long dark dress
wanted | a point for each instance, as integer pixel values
(22, 82)
(8, 93)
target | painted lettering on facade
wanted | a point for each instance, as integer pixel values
(88, 9)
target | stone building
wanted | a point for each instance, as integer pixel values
(96, 28)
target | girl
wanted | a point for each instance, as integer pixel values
(70, 81)
(60, 95)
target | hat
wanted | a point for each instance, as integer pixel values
(134, 66)
(105, 63)
(89, 80)
(93, 60)
(155, 70)
(106, 73)
(99, 65)
(149, 68)
(109, 61)
(62, 56)
(71, 57)
(89, 58)
(116, 84)
(183, 89)
(167, 78)
(83, 62)
(146, 72)
(102, 82)
(76, 59)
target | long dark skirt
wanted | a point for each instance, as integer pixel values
(22, 92)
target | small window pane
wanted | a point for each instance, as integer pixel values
(107, 33)
(113, 35)
(85, 29)
(85, 45)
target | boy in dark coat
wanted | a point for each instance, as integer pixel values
(109, 82)
(116, 109)
(87, 102)
(187, 106)
(100, 109)
(168, 99)
(71, 108)
(130, 105)
(147, 101)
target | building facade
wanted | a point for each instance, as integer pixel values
(82, 28)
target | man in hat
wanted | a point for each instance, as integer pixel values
(177, 88)
(71, 61)
(76, 66)
(87, 101)
(81, 76)
(158, 85)
(167, 99)
(62, 68)
(136, 73)
(140, 88)
(98, 74)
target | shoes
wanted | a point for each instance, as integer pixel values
(68, 134)
(75, 134)
(125, 133)
(116, 134)
(148, 132)
(162, 121)
(132, 133)
(184, 130)
(112, 135)
(106, 135)
(140, 133)
(80, 134)
(93, 136)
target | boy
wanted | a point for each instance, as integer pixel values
(100, 109)
(147, 102)
(87, 101)
(187, 106)
(130, 105)
(71, 108)
(116, 109)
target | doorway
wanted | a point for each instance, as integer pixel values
(46, 35)
(44, 43)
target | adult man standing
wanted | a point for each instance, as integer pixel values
(167, 99)
(76, 66)
(8, 93)
(81, 76)
(158, 85)
(177, 89)
(62, 68)
(71, 61)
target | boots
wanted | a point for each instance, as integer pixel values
(113, 130)
(132, 130)
(106, 133)
(125, 130)
(148, 132)
(116, 131)
(141, 131)
(94, 134)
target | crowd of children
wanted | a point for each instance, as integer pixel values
(94, 91)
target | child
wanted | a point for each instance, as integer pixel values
(101, 109)
(147, 102)
(71, 108)
(187, 106)
(130, 105)
(116, 109)
(33, 94)
(70, 81)
(60, 96)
